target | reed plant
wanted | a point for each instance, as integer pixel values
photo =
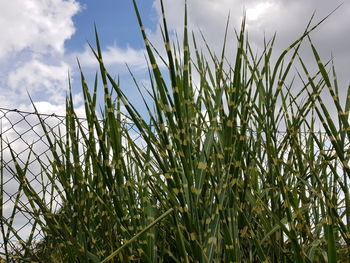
(215, 179)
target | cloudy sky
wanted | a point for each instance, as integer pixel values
(41, 39)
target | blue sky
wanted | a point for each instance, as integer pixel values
(41, 39)
(116, 22)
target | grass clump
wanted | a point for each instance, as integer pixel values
(216, 180)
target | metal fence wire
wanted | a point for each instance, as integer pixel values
(22, 133)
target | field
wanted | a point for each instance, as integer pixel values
(231, 169)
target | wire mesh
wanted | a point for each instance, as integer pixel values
(22, 133)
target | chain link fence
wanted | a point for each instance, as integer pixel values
(22, 133)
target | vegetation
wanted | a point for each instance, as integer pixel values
(216, 180)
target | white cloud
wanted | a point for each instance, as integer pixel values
(46, 107)
(287, 18)
(256, 11)
(114, 55)
(42, 26)
(34, 75)
(32, 52)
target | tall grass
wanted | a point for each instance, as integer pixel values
(216, 180)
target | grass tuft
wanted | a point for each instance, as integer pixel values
(216, 181)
